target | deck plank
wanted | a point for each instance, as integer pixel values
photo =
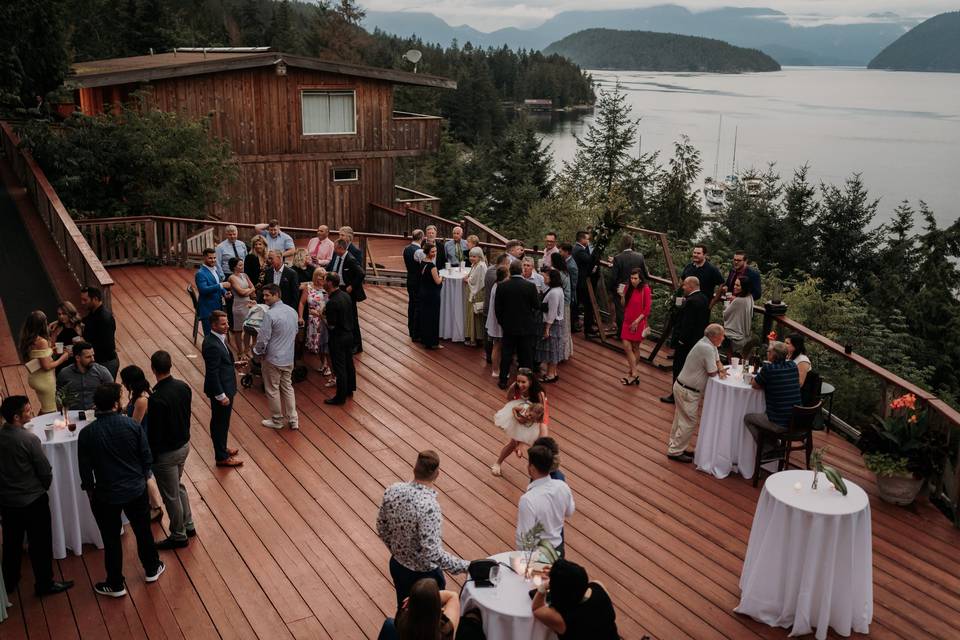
(287, 545)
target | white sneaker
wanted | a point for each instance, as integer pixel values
(294, 426)
(495, 470)
(273, 424)
(156, 576)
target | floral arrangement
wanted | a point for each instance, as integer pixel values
(532, 541)
(904, 439)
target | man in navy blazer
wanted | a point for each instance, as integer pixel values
(412, 264)
(220, 385)
(210, 290)
(351, 280)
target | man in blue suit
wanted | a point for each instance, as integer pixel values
(210, 290)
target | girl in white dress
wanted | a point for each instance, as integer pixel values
(524, 418)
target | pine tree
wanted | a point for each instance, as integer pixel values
(677, 209)
(252, 32)
(283, 37)
(800, 211)
(521, 176)
(33, 50)
(605, 153)
(846, 247)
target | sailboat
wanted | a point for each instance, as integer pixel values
(714, 190)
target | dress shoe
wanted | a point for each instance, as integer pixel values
(683, 457)
(668, 399)
(191, 533)
(230, 462)
(357, 350)
(53, 587)
(502, 384)
(334, 400)
(232, 452)
(170, 543)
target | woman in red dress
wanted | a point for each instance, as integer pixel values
(637, 299)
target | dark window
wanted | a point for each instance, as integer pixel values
(346, 175)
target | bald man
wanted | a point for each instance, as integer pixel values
(692, 320)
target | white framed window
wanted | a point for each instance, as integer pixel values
(328, 112)
(346, 175)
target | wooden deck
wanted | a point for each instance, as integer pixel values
(287, 546)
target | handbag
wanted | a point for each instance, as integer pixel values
(478, 307)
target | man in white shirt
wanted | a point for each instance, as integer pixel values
(275, 345)
(231, 247)
(549, 247)
(546, 500)
(530, 275)
(702, 362)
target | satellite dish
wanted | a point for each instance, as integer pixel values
(413, 56)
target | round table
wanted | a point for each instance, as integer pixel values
(452, 304)
(72, 521)
(505, 608)
(809, 562)
(724, 444)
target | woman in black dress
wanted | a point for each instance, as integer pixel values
(255, 263)
(430, 282)
(578, 609)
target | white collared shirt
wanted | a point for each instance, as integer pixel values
(548, 502)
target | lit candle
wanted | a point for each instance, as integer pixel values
(797, 487)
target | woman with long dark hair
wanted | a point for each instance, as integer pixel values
(797, 352)
(550, 347)
(67, 328)
(636, 301)
(430, 283)
(428, 613)
(36, 352)
(557, 263)
(578, 609)
(138, 397)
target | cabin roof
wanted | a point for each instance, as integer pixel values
(161, 66)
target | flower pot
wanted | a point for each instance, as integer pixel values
(900, 490)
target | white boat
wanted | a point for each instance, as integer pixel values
(714, 192)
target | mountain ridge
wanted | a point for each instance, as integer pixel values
(750, 27)
(651, 51)
(933, 45)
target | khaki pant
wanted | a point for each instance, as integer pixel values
(684, 419)
(278, 387)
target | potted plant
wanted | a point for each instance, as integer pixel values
(65, 398)
(903, 451)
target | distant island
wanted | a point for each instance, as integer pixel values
(649, 51)
(932, 45)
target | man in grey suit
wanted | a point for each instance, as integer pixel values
(623, 264)
(220, 385)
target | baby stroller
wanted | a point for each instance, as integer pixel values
(251, 326)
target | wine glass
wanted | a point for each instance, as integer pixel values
(495, 574)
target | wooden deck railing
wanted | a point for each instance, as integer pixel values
(945, 490)
(79, 256)
(414, 132)
(405, 197)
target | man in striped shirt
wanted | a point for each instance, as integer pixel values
(780, 380)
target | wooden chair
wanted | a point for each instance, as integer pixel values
(196, 311)
(797, 437)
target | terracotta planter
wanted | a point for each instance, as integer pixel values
(899, 490)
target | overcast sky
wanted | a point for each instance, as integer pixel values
(488, 15)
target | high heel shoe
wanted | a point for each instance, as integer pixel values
(635, 381)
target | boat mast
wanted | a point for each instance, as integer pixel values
(716, 162)
(733, 164)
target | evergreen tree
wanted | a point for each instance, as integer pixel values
(33, 51)
(604, 154)
(521, 176)
(800, 211)
(252, 32)
(846, 247)
(677, 209)
(283, 36)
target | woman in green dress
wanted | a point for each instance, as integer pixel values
(37, 354)
(473, 320)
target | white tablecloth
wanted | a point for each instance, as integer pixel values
(724, 444)
(72, 520)
(505, 608)
(809, 561)
(451, 304)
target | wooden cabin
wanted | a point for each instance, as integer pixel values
(315, 140)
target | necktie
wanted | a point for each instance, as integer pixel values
(233, 245)
(340, 267)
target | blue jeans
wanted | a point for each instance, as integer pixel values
(403, 579)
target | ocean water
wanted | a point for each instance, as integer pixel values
(899, 130)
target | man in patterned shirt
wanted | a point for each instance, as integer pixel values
(409, 524)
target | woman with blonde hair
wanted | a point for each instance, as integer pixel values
(37, 353)
(255, 264)
(313, 300)
(302, 267)
(242, 287)
(473, 319)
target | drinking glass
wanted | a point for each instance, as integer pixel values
(495, 574)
